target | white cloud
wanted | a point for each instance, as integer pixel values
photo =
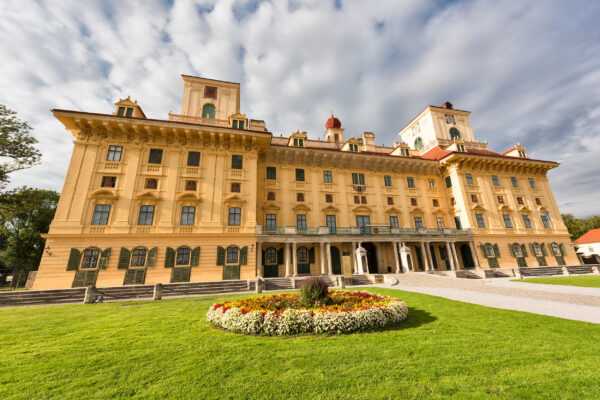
(527, 71)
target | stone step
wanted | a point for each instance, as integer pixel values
(541, 271)
(580, 269)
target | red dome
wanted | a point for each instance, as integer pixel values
(333, 122)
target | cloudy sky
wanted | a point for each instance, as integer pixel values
(528, 71)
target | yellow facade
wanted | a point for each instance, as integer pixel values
(157, 201)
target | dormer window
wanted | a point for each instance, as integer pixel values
(353, 147)
(237, 124)
(405, 152)
(460, 147)
(125, 111)
(522, 154)
(298, 142)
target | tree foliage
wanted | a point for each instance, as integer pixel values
(578, 226)
(25, 214)
(17, 149)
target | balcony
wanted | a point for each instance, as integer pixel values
(368, 230)
(199, 120)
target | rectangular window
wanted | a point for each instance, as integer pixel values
(418, 222)
(299, 175)
(532, 183)
(109, 181)
(210, 92)
(331, 223)
(514, 181)
(495, 180)
(448, 182)
(114, 153)
(193, 159)
(190, 185)
(436, 203)
(527, 221)
(363, 222)
(440, 222)
(457, 222)
(363, 200)
(500, 199)
(356, 200)
(241, 125)
(298, 142)
(390, 201)
(520, 200)
(432, 184)
(387, 180)
(480, 220)
(121, 111)
(235, 187)
(300, 197)
(155, 156)
(234, 123)
(235, 216)
(358, 178)
(469, 178)
(546, 220)
(101, 212)
(301, 222)
(394, 222)
(146, 215)
(507, 221)
(271, 173)
(538, 201)
(233, 253)
(187, 215)
(327, 177)
(271, 222)
(129, 112)
(413, 201)
(237, 161)
(474, 198)
(411, 182)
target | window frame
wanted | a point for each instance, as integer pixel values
(418, 222)
(146, 210)
(469, 178)
(103, 215)
(495, 180)
(270, 222)
(237, 161)
(232, 255)
(112, 150)
(508, 224)
(300, 175)
(301, 222)
(185, 212)
(327, 176)
(141, 258)
(527, 221)
(480, 219)
(394, 221)
(155, 156)
(179, 257)
(271, 173)
(387, 180)
(93, 257)
(270, 256)
(410, 182)
(191, 159)
(234, 216)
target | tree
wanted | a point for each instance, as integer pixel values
(578, 226)
(17, 149)
(25, 214)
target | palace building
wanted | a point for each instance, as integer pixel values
(209, 194)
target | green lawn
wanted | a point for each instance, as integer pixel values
(582, 280)
(155, 350)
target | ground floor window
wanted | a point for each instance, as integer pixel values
(271, 256)
(90, 258)
(232, 255)
(303, 255)
(183, 256)
(138, 257)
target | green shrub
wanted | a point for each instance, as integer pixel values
(313, 291)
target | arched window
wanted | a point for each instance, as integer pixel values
(183, 256)
(489, 250)
(517, 250)
(138, 257)
(271, 256)
(90, 258)
(418, 143)
(537, 250)
(303, 255)
(208, 111)
(454, 133)
(556, 249)
(233, 254)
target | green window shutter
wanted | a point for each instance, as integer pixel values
(129, 277)
(74, 260)
(123, 258)
(140, 276)
(544, 251)
(482, 247)
(104, 258)
(169, 258)
(244, 255)
(510, 247)
(524, 248)
(532, 250)
(311, 255)
(562, 249)
(220, 255)
(79, 279)
(195, 260)
(280, 257)
(152, 257)
(90, 278)
(496, 250)
(181, 275)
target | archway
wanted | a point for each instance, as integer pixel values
(371, 257)
(336, 264)
(467, 257)
(208, 111)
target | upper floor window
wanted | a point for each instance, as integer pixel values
(301, 222)
(532, 183)
(440, 222)
(146, 215)
(432, 184)
(460, 147)
(469, 178)
(450, 119)
(101, 212)
(235, 187)
(500, 199)
(114, 153)
(413, 201)
(358, 178)
(298, 142)
(546, 220)
(507, 220)
(353, 147)
(328, 198)
(109, 181)
(356, 200)
(418, 222)
(190, 185)
(411, 182)
(237, 161)
(187, 215)
(495, 180)
(436, 203)
(299, 175)
(514, 181)
(155, 156)
(235, 216)
(151, 183)
(271, 196)
(522, 154)
(210, 92)
(271, 173)
(125, 111)
(520, 201)
(418, 143)
(394, 221)
(327, 177)
(527, 221)
(271, 221)
(390, 201)
(474, 198)
(363, 200)
(448, 182)
(387, 180)
(193, 159)
(454, 133)
(300, 197)
(480, 220)
(457, 222)
(538, 201)
(452, 201)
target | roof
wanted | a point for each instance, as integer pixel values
(438, 153)
(592, 236)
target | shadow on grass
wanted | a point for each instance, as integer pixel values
(415, 319)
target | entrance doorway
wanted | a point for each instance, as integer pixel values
(371, 257)
(467, 257)
(336, 263)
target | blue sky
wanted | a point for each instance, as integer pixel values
(528, 71)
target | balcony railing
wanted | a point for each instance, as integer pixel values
(369, 230)
(198, 120)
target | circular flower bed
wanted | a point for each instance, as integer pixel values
(284, 314)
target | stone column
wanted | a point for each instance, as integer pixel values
(328, 255)
(395, 248)
(450, 256)
(322, 257)
(288, 263)
(424, 257)
(259, 266)
(379, 253)
(353, 258)
(429, 256)
(456, 263)
(295, 258)
(474, 255)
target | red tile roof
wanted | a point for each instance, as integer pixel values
(438, 153)
(592, 236)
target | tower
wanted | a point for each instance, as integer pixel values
(334, 132)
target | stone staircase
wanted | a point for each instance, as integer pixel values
(360, 280)
(580, 269)
(541, 271)
(28, 297)
(279, 284)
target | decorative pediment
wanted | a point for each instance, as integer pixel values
(542, 209)
(362, 208)
(330, 209)
(188, 196)
(270, 206)
(439, 211)
(393, 210)
(524, 209)
(301, 207)
(504, 207)
(416, 210)
(238, 116)
(105, 193)
(234, 199)
(149, 194)
(477, 207)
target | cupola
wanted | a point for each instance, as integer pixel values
(334, 133)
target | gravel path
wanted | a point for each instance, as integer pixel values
(569, 302)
